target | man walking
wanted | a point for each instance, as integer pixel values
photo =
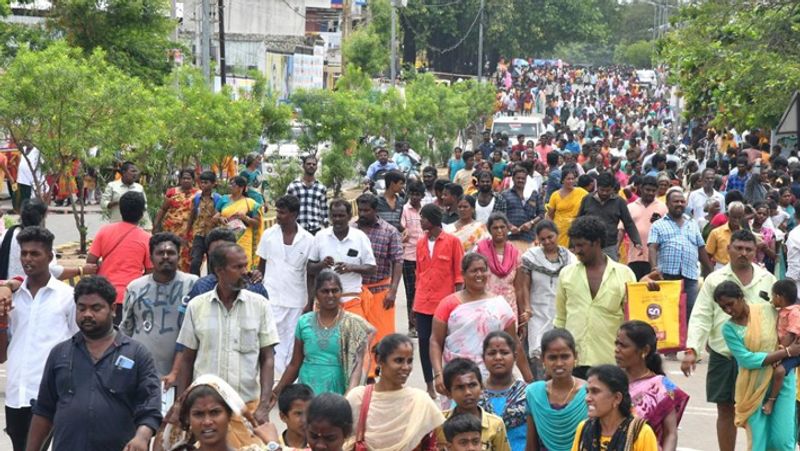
(284, 250)
(487, 201)
(705, 329)
(313, 197)
(675, 246)
(346, 251)
(230, 332)
(122, 249)
(695, 205)
(43, 315)
(150, 311)
(610, 209)
(644, 211)
(388, 251)
(523, 212)
(590, 295)
(112, 195)
(99, 389)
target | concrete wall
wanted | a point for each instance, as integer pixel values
(264, 17)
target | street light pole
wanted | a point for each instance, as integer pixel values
(205, 40)
(393, 45)
(221, 18)
(480, 44)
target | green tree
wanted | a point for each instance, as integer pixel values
(194, 127)
(134, 33)
(67, 104)
(737, 60)
(638, 54)
(365, 50)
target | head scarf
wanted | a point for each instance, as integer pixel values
(175, 438)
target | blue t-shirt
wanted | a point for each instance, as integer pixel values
(455, 166)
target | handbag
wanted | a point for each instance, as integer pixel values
(361, 445)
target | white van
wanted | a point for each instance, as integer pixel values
(530, 126)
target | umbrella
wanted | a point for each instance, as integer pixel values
(520, 62)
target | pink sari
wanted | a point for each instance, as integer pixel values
(469, 323)
(656, 397)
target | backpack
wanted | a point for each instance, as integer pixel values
(196, 201)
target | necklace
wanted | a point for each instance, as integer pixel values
(566, 398)
(323, 332)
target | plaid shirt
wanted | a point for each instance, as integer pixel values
(387, 247)
(313, 204)
(735, 182)
(677, 246)
(520, 212)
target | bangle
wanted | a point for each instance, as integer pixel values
(788, 354)
(689, 351)
(80, 271)
(436, 375)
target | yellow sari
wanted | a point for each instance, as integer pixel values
(247, 237)
(565, 210)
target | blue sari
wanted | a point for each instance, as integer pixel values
(555, 426)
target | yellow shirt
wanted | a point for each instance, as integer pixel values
(464, 178)
(646, 441)
(493, 432)
(593, 322)
(717, 244)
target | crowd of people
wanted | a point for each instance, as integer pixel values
(515, 267)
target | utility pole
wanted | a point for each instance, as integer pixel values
(393, 65)
(480, 44)
(221, 18)
(205, 40)
(345, 26)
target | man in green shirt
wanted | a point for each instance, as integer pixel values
(590, 295)
(705, 328)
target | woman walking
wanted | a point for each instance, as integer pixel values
(655, 397)
(504, 261)
(174, 214)
(330, 343)
(464, 319)
(242, 215)
(611, 425)
(540, 268)
(389, 415)
(467, 229)
(504, 394)
(751, 335)
(564, 204)
(558, 404)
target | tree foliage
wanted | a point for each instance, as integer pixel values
(738, 60)
(637, 54)
(66, 104)
(134, 33)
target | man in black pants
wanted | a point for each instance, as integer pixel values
(44, 315)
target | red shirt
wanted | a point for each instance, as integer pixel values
(437, 274)
(124, 253)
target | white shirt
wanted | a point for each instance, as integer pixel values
(15, 264)
(482, 213)
(285, 267)
(532, 183)
(25, 172)
(354, 249)
(35, 326)
(793, 254)
(697, 201)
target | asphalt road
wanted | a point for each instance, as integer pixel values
(697, 429)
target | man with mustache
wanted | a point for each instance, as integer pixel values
(43, 316)
(99, 390)
(230, 332)
(152, 302)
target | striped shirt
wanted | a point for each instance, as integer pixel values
(228, 341)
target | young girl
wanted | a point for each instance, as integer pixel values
(784, 296)
(557, 405)
(504, 394)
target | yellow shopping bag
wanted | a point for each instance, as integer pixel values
(664, 309)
